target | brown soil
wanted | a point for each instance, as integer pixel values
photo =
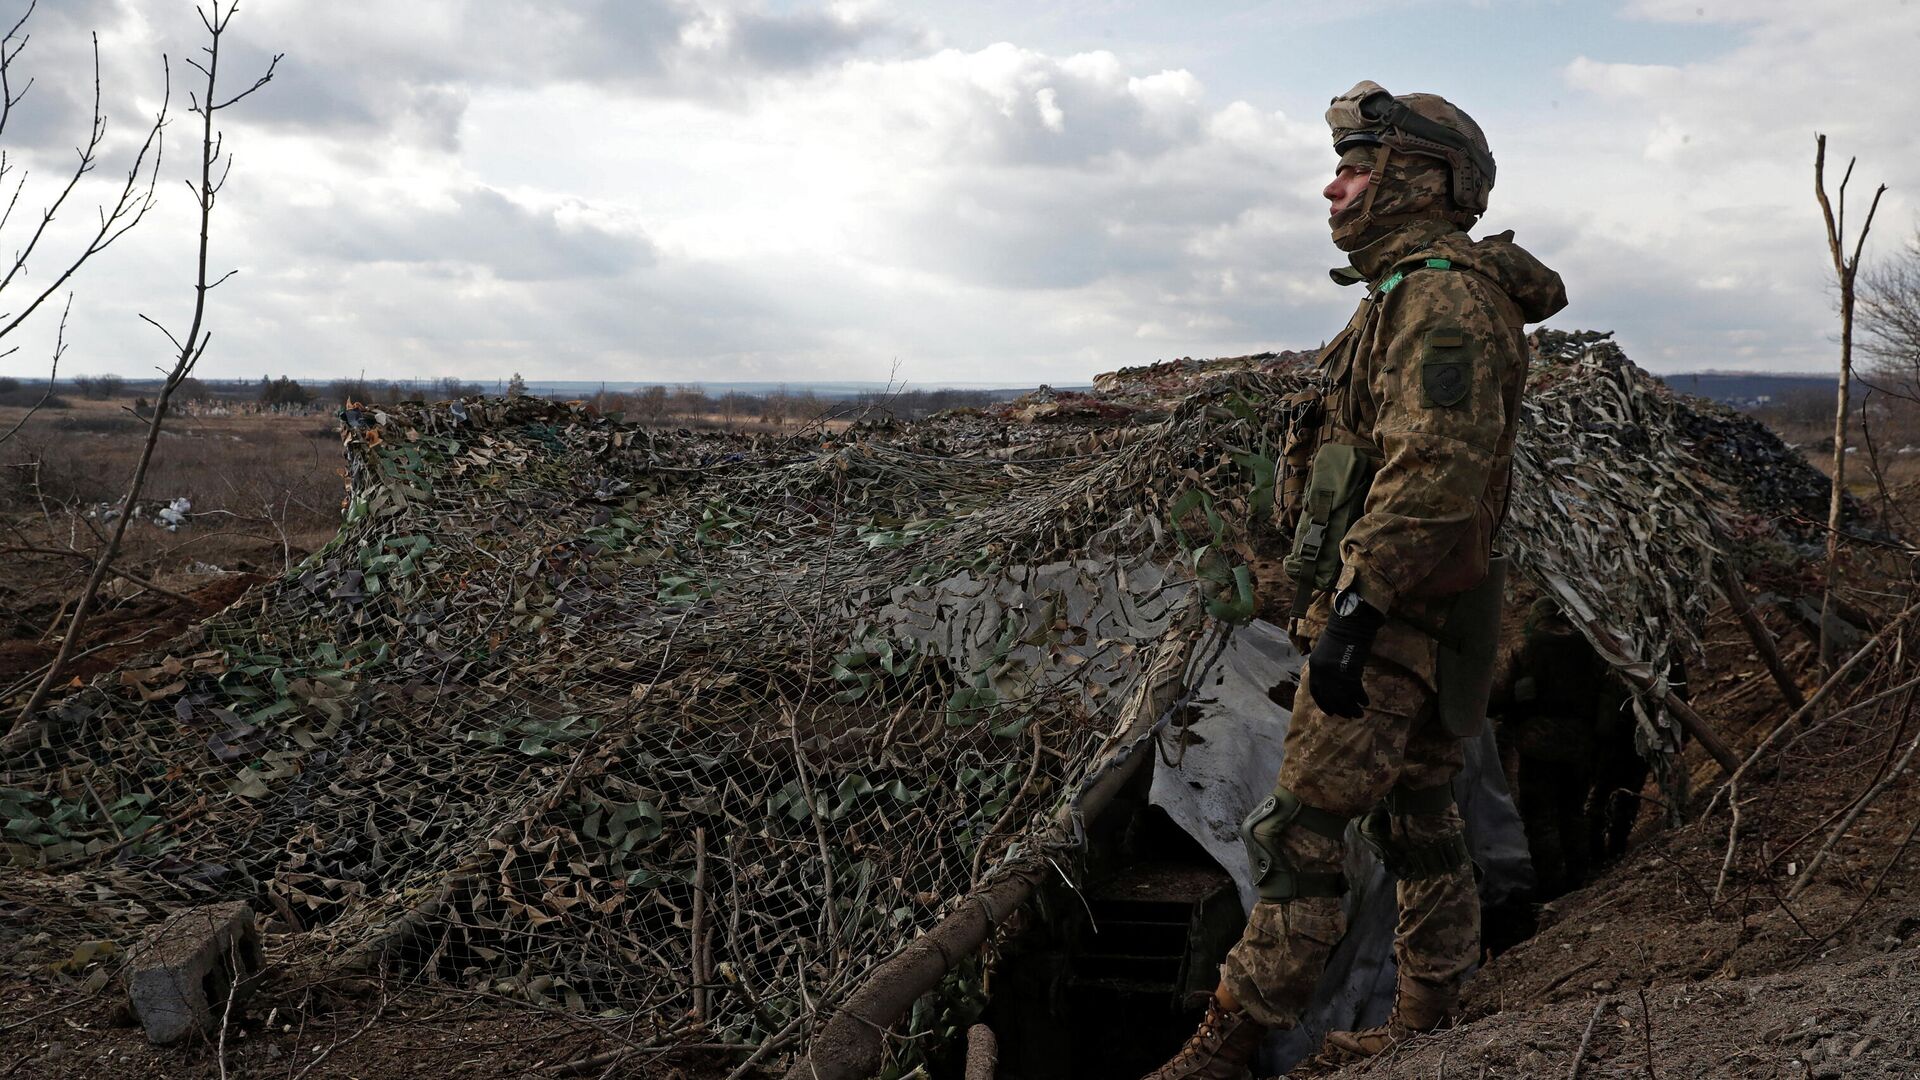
(1644, 973)
(1750, 984)
(65, 1036)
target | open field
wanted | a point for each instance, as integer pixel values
(265, 490)
(1658, 967)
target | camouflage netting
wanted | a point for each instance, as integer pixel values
(695, 729)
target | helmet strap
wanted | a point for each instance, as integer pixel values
(1379, 173)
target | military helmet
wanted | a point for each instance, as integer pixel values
(1424, 124)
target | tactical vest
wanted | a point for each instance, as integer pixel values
(1325, 473)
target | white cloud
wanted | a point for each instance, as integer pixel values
(997, 212)
(707, 188)
(1677, 198)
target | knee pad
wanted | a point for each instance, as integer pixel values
(1275, 877)
(1415, 860)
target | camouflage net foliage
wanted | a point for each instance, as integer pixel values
(695, 729)
(664, 725)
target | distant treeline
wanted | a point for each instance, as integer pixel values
(683, 404)
(693, 405)
(687, 404)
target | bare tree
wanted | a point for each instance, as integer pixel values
(1845, 268)
(1890, 321)
(188, 349)
(135, 198)
(653, 404)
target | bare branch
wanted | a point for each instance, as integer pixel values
(7, 215)
(97, 133)
(257, 83)
(1840, 224)
(129, 207)
(8, 53)
(1844, 271)
(1853, 264)
(150, 321)
(189, 349)
(53, 372)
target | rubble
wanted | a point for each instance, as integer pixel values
(192, 969)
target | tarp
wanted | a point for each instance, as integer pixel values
(1230, 756)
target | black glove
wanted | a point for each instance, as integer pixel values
(1341, 653)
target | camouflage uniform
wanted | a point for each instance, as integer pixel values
(1348, 766)
(1426, 378)
(1426, 535)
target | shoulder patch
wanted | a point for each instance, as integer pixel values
(1446, 368)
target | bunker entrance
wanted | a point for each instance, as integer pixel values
(1111, 978)
(1108, 981)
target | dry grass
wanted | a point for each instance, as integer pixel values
(266, 490)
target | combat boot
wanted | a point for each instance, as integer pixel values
(1221, 1049)
(1417, 1009)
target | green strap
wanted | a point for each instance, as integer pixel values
(1300, 883)
(1397, 276)
(1325, 822)
(1420, 802)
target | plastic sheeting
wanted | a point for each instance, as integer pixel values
(1231, 755)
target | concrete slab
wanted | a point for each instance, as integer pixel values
(179, 977)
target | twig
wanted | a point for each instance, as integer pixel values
(767, 1047)
(118, 833)
(192, 348)
(699, 929)
(114, 570)
(1820, 856)
(59, 344)
(1819, 695)
(1763, 644)
(332, 1046)
(1580, 1055)
(129, 207)
(235, 972)
(1646, 1032)
(1733, 846)
(102, 647)
(980, 851)
(1898, 853)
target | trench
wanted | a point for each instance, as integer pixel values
(1110, 980)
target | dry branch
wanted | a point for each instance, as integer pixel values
(1845, 269)
(851, 1044)
(1859, 807)
(191, 348)
(1736, 594)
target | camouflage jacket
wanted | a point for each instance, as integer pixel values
(1427, 376)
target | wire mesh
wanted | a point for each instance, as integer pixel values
(694, 729)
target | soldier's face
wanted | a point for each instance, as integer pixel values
(1349, 183)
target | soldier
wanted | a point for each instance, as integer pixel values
(1412, 446)
(1569, 721)
(1560, 693)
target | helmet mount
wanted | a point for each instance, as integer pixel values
(1421, 124)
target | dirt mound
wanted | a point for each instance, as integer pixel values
(1832, 1020)
(1743, 976)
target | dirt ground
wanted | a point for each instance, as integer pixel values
(1680, 984)
(66, 1036)
(1656, 969)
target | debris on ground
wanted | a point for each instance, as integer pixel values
(678, 735)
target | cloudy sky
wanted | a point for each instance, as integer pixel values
(992, 191)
